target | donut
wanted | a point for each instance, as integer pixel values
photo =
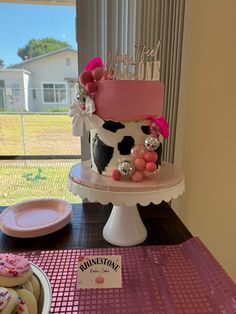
(14, 270)
(27, 302)
(8, 300)
(36, 287)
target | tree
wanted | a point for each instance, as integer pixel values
(1, 64)
(38, 47)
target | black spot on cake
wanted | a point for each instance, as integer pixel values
(113, 126)
(145, 129)
(125, 146)
(102, 154)
(159, 153)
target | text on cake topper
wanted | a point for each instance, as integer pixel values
(145, 65)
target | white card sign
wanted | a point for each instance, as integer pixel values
(99, 271)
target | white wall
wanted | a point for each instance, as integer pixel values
(206, 146)
(50, 69)
(15, 78)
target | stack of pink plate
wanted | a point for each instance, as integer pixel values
(35, 218)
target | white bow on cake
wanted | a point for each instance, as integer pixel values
(83, 115)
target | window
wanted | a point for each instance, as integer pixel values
(36, 125)
(54, 93)
(68, 62)
(34, 93)
(2, 94)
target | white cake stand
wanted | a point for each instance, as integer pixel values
(124, 226)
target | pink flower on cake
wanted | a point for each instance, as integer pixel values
(162, 124)
(93, 64)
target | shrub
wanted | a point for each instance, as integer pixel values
(56, 109)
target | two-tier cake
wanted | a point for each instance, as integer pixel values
(125, 121)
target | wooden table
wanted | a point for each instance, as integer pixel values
(85, 230)
(160, 274)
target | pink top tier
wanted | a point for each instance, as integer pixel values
(128, 100)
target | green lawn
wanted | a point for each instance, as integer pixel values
(44, 135)
(22, 180)
(41, 135)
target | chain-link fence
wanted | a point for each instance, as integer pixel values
(30, 179)
(52, 97)
(37, 134)
(45, 143)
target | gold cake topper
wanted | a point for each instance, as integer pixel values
(145, 65)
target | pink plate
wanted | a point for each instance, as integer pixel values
(35, 218)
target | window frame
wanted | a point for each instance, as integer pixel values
(43, 2)
(54, 90)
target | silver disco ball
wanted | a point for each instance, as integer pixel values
(152, 142)
(81, 96)
(125, 168)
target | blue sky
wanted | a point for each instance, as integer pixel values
(19, 23)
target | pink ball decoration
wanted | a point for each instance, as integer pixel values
(98, 73)
(139, 164)
(150, 156)
(85, 78)
(116, 175)
(151, 166)
(137, 151)
(91, 87)
(154, 129)
(137, 176)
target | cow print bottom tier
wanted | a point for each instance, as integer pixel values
(112, 143)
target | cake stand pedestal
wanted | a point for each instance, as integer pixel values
(124, 226)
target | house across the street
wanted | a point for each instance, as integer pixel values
(42, 83)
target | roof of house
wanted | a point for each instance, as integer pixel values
(14, 70)
(41, 57)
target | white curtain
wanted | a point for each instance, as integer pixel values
(110, 24)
